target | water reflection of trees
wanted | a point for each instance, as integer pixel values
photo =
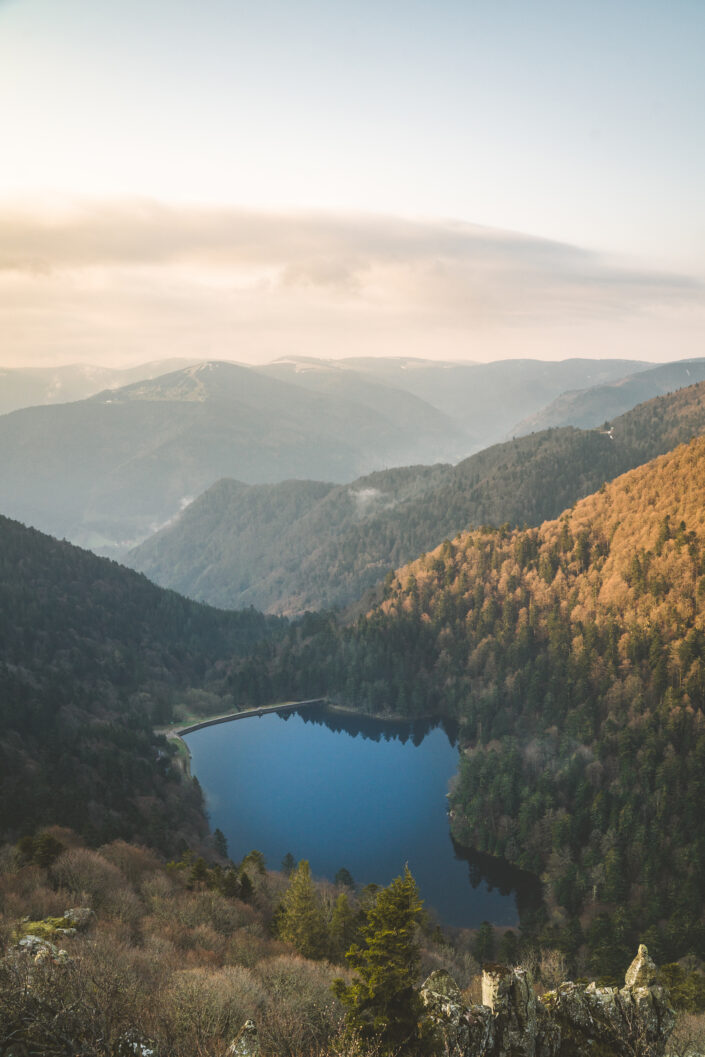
(374, 729)
(500, 875)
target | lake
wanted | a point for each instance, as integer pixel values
(348, 791)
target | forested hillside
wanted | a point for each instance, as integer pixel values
(572, 655)
(590, 407)
(91, 656)
(301, 545)
(288, 547)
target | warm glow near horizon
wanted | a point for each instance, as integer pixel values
(452, 181)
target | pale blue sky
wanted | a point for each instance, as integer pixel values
(578, 122)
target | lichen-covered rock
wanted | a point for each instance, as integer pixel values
(572, 1021)
(79, 917)
(42, 951)
(33, 944)
(247, 1042)
(642, 972)
(46, 929)
(464, 1029)
(46, 957)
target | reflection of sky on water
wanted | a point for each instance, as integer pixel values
(345, 791)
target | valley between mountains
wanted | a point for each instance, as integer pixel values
(545, 594)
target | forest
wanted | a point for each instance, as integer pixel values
(92, 657)
(568, 654)
(113, 951)
(571, 656)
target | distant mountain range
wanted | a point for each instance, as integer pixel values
(109, 470)
(304, 545)
(484, 400)
(33, 386)
(600, 403)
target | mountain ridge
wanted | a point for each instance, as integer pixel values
(113, 467)
(330, 549)
(588, 408)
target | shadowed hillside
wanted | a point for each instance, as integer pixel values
(92, 655)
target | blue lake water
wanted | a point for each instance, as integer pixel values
(343, 791)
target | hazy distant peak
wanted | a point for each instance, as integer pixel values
(197, 383)
(403, 363)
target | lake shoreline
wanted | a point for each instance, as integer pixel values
(343, 789)
(177, 732)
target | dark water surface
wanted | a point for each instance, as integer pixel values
(346, 791)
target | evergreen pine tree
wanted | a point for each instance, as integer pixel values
(382, 1003)
(220, 843)
(343, 927)
(288, 864)
(301, 920)
(246, 888)
(484, 945)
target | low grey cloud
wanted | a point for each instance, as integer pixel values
(128, 275)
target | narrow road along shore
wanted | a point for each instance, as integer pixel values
(177, 732)
(285, 706)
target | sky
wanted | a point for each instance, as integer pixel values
(453, 180)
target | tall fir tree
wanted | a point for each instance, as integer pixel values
(382, 1003)
(343, 927)
(301, 920)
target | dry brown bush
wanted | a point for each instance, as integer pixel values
(201, 1010)
(688, 1038)
(8, 859)
(158, 890)
(302, 1014)
(248, 949)
(86, 1004)
(553, 968)
(207, 946)
(134, 861)
(460, 963)
(26, 893)
(68, 837)
(87, 876)
(211, 908)
(124, 905)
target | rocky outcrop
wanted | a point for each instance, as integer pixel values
(247, 1042)
(79, 917)
(572, 1021)
(35, 937)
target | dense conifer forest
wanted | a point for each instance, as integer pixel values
(92, 657)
